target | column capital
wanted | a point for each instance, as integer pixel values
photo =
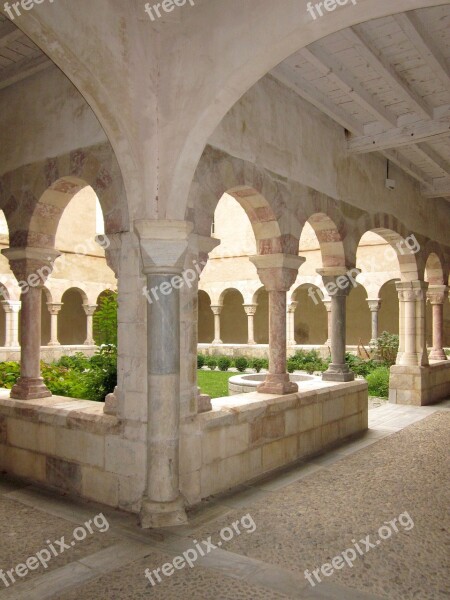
(163, 245)
(217, 309)
(33, 265)
(411, 291)
(338, 281)
(327, 304)
(11, 306)
(90, 309)
(374, 304)
(54, 308)
(250, 309)
(202, 245)
(292, 306)
(437, 294)
(277, 272)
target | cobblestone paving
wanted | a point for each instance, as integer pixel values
(24, 531)
(194, 584)
(309, 522)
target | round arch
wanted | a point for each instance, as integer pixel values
(233, 320)
(388, 317)
(310, 317)
(72, 321)
(330, 238)
(205, 318)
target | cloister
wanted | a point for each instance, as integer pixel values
(299, 166)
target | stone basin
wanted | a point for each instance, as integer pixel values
(243, 384)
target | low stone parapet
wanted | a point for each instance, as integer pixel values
(249, 435)
(420, 386)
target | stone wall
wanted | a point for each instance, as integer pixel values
(249, 435)
(420, 385)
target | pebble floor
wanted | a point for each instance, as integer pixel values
(303, 517)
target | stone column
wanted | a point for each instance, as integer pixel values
(291, 341)
(217, 311)
(278, 273)
(12, 309)
(250, 310)
(413, 350)
(374, 306)
(338, 285)
(327, 304)
(89, 309)
(437, 295)
(31, 267)
(163, 249)
(54, 310)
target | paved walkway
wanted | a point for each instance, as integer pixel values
(296, 520)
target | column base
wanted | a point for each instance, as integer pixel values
(278, 384)
(154, 515)
(217, 342)
(53, 344)
(339, 373)
(28, 388)
(437, 355)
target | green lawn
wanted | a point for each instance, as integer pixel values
(214, 383)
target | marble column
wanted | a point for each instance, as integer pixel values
(338, 285)
(327, 304)
(12, 309)
(54, 309)
(89, 310)
(412, 349)
(250, 311)
(437, 295)
(163, 247)
(278, 273)
(374, 306)
(217, 310)
(31, 267)
(292, 307)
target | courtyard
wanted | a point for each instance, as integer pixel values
(300, 519)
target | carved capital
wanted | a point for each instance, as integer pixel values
(339, 281)
(374, 305)
(32, 266)
(250, 309)
(437, 294)
(277, 272)
(54, 308)
(89, 309)
(163, 245)
(217, 309)
(292, 307)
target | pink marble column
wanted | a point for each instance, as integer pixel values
(250, 311)
(338, 285)
(437, 295)
(89, 310)
(54, 309)
(31, 267)
(278, 273)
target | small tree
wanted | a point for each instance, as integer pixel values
(105, 320)
(386, 348)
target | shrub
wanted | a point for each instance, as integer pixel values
(105, 320)
(201, 361)
(211, 362)
(78, 362)
(224, 363)
(378, 382)
(386, 348)
(359, 366)
(291, 365)
(9, 374)
(241, 363)
(258, 364)
(308, 361)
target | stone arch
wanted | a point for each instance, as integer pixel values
(433, 257)
(72, 321)
(389, 308)
(330, 237)
(205, 318)
(405, 244)
(233, 318)
(34, 197)
(310, 316)
(261, 196)
(4, 293)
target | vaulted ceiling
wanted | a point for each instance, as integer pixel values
(387, 82)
